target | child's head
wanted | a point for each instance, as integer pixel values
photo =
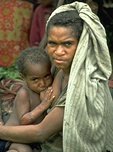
(34, 66)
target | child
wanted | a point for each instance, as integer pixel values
(31, 101)
(41, 14)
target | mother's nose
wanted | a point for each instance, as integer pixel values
(59, 50)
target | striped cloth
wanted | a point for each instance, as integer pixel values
(88, 118)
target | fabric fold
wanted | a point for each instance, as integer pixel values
(88, 118)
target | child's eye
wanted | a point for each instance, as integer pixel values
(48, 77)
(35, 79)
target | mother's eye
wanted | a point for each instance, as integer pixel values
(51, 43)
(67, 44)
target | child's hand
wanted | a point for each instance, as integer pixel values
(47, 97)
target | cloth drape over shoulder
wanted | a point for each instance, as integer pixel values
(88, 118)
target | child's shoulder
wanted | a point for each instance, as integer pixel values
(23, 91)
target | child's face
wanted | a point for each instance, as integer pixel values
(38, 77)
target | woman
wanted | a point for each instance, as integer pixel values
(85, 64)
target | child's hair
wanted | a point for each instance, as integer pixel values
(67, 19)
(33, 55)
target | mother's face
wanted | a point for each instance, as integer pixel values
(62, 46)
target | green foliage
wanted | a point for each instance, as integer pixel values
(9, 72)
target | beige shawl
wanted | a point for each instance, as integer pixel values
(88, 119)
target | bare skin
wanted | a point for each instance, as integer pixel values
(61, 47)
(38, 79)
(28, 107)
(35, 133)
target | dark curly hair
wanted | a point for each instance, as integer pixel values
(33, 55)
(67, 19)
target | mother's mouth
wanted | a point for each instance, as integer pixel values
(59, 61)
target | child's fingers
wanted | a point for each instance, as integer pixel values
(53, 97)
(49, 92)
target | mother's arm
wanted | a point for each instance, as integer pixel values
(50, 125)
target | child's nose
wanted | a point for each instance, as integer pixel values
(42, 82)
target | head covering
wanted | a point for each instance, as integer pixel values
(88, 126)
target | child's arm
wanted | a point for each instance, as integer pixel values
(48, 98)
(20, 107)
(31, 117)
